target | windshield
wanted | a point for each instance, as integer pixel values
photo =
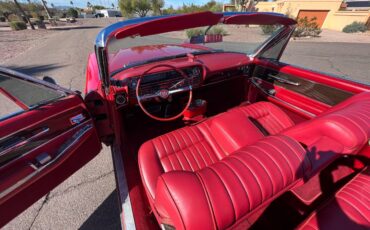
(133, 51)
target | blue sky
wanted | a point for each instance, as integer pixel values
(82, 3)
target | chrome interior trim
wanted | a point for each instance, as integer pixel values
(282, 80)
(24, 142)
(256, 84)
(61, 151)
(43, 144)
(127, 216)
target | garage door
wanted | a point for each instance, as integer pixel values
(319, 14)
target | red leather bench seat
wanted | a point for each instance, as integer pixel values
(216, 173)
(343, 129)
(222, 194)
(349, 209)
(200, 148)
(194, 147)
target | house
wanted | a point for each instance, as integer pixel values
(357, 5)
(329, 14)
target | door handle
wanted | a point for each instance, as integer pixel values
(282, 80)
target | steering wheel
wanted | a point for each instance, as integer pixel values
(164, 95)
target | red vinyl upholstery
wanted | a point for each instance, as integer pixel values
(223, 194)
(267, 115)
(349, 209)
(216, 173)
(194, 147)
(343, 129)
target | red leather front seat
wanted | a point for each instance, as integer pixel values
(197, 165)
(224, 194)
(194, 147)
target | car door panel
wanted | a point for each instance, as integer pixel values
(308, 91)
(40, 148)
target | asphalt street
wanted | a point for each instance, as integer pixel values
(87, 200)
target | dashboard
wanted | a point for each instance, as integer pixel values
(209, 69)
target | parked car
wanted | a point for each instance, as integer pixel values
(99, 15)
(205, 134)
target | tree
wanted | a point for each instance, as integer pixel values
(98, 7)
(71, 3)
(24, 14)
(130, 8)
(46, 8)
(157, 6)
(72, 13)
(113, 5)
(88, 5)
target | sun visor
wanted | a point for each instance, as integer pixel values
(168, 24)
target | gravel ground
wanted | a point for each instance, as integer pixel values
(14, 43)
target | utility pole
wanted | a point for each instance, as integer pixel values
(24, 14)
(46, 9)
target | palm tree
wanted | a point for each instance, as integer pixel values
(46, 8)
(88, 5)
(113, 5)
(52, 5)
(71, 3)
(24, 14)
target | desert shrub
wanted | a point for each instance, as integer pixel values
(14, 17)
(214, 30)
(194, 32)
(355, 27)
(307, 27)
(72, 13)
(2, 19)
(217, 30)
(268, 29)
(18, 25)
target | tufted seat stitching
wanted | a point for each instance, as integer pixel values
(355, 194)
(236, 179)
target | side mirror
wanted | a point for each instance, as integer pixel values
(49, 80)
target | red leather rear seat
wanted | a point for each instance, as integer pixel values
(224, 194)
(349, 209)
(343, 129)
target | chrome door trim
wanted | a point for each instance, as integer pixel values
(24, 142)
(67, 145)
(127, 217)
(257, 85)
(284, 81)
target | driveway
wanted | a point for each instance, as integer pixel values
(88, 200)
